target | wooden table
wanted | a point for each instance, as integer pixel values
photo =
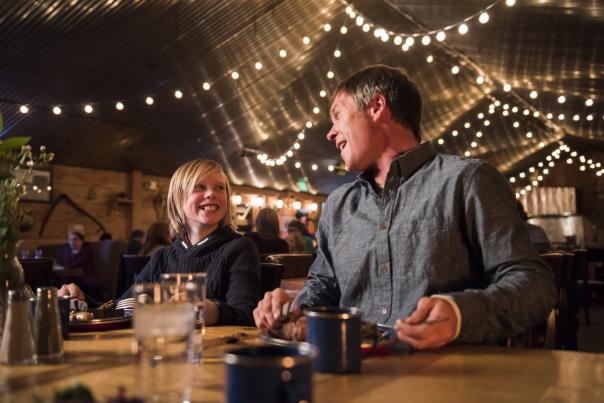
(103, 361)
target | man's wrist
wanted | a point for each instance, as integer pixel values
(449, 299)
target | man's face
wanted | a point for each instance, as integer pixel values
(351, 132)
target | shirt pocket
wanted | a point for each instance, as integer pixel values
(424, 247)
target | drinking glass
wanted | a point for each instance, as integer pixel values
(164, 320)
(199, 280)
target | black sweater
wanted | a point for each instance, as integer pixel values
(232, 266)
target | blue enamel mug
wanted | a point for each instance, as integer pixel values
(336, 332)
(270, 374)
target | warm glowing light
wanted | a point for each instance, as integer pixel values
(234, 75)
(206, 86)
(300, 136)
(326, 27)
(330, 74)
(282, 53)
(441, 141)
(479, 80)
(561, 99)
(337, 53)
(322, 94)
(455, 69)
(88, 108)
(23, 109)
(57, 110)
(306, 40)
(483, 18)
(589, 102)
(426, 40)
(343, 30)
(149, 101)
(507, 87)
(462, 29)
(314, 167)
(441, 36)
(316, 110)
(430, 58)
(237, 199)
(298, 164)
(330, 168)
(119, 106)
(258, 66)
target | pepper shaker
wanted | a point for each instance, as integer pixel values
(48, 339)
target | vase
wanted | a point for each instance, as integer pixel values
(11, 278)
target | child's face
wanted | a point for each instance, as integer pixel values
(206, 205)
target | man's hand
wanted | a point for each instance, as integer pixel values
(71, 290)
(431, 325)
(268, 312)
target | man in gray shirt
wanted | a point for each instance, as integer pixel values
(429, 243)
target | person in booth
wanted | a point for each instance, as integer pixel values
(266, 236)
(199, 210)
(429, 243)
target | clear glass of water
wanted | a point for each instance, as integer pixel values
(199, 280)
(164, 320)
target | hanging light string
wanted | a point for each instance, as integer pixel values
(384, 34)
(535, 174)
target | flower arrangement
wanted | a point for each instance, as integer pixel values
(15, 154)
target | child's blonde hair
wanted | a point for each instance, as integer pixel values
(182, 184)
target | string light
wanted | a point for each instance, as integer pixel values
(206, 86)
(149, 101)
(88, 108)
(24, 109)
(178, 94)
(57, 110)
(119, 106)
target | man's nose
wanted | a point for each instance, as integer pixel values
(331, 134)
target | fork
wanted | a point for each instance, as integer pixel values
(126, 303)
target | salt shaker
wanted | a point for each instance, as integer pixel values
(17, 341)
(48, 338)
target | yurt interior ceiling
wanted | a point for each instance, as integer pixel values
(149, 84)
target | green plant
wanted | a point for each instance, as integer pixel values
(15, 154)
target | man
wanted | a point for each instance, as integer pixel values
(429, 243)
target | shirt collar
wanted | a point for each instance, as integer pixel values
(406, 163)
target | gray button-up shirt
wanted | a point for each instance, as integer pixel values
(441, 225)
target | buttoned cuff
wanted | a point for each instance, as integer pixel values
(455, 307)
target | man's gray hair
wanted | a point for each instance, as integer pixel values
(402, 96)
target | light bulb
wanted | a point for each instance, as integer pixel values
(343, 30)
(206, 86)
(322, 94)
(309, 124)
(510, 3)
(326, 27)
(282, 53)
(23, 109)
(409, 41)
(149, 101)
(455, 70)
(359, 20)
(507, 87)
(289, 153)
(479, 80)
(234, 75)
(483, 18)
(337, 53)
(330, 74)
(88, 108)
(454, 133)
(298, 165)
(330, 168)
(366, 27)
(479, 134)
(467, 153)
(426, 40)
(119, 106)
(561, 99)
(441, 141)
(441, 36)
(300, 136)
(534, 94)
(306, 40)
(316, 110)
(430, 58)
(462, 29)
(589, 117)
(474, 144)
(589, 102)
(398, 40)
(56, 110)
(529, 135)
(178, 94)
(405, 47)
(314, 167)
(258, 66)
(297, 146)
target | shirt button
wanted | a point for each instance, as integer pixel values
(384, 311)
(384, 268)
(382, 226)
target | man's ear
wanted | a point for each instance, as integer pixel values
(377, 108)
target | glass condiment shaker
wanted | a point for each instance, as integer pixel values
(17, 346)
(48, 338)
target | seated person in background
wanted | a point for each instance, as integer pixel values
(137, 239)
(536, 233)
(200, 216)
(429, 243)
(105, 236)
(158, 237)
(266, 236)
(296, 242)
(296, 227)
(78, 255)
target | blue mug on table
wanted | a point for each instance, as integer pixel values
(337, 334)
(270, 374)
